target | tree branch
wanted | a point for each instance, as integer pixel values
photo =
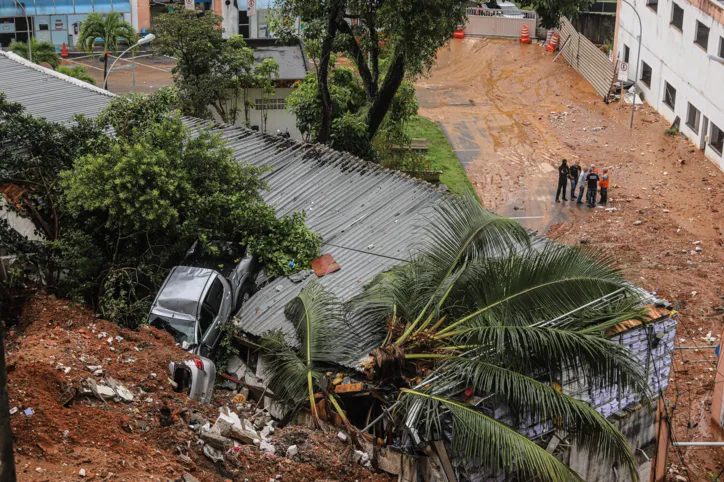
(359, 58)
(325, 130)
(382, 103)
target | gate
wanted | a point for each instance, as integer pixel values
(497, 23)
(586, 58)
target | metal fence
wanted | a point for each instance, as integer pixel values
(586, 58)
(497, 23)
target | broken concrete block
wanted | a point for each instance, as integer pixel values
(267, 448)
(267, 431)
(292, 450)
(389, 461)
(213, 454)
(122, 392)
(216, 440)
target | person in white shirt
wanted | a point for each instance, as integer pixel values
(582, 184)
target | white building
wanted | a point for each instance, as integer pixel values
(680, 72)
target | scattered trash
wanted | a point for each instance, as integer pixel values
(638, 222)
(342, 436)
(81, 473)
(29, 412)
(213, 454)
(325, 265)
(13, 410)
(292, 450)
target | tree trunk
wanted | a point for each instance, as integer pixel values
(325, 130)
(7, 460)
(393, 80)
(105, 70)
(359, 58)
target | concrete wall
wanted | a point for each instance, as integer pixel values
(277, 119)
(675, 58)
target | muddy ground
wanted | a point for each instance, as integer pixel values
(148, 438)
(511, 115)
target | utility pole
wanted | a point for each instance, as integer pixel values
(27, 25)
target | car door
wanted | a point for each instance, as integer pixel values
(215, 310)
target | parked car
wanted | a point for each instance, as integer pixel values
(195, 300)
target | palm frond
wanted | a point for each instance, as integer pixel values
(285, 373)
(533, 286)
(77, 72)
(483, 440)
(542, 402)
(590, 357)
(44, 52)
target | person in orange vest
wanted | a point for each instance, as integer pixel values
(604, 187)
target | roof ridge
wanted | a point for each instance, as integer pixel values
(72, 80)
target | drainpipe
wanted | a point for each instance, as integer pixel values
(638, 59)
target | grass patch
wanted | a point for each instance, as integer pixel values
(440, 155)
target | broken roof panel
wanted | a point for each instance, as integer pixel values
(367, 215)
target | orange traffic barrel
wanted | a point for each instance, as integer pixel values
(459, 34)
(63, 51)
(554, 43)
(524, 35)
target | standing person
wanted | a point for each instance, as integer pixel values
(582, 183)
(562, 180)
(574, 172)
(604, 187)
(593, 179)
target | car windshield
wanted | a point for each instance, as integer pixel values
(181, 330)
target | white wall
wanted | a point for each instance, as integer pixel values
(277, 119)
(675, 58)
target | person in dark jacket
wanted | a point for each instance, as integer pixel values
(562, 180)
(593, 178)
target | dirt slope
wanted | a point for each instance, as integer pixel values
(138, 440)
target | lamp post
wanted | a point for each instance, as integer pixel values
(27, 25)
(143, 41)
(638, 60)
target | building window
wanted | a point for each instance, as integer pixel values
(626, 53)
(272, 104)
(669, 96)
(693, 118)
(702, 35)
(716, 140)
(677, 16)
(721, 47)
(653, 5)
(646, 74)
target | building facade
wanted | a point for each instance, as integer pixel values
(681, 70)
(55, 20)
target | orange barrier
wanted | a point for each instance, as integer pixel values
(459, 34)
(524, 35)
(63, 51)
(554, 43)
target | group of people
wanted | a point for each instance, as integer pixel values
(588, 179)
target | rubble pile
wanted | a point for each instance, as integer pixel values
(92, 401)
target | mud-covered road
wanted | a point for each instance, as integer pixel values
(511, 115)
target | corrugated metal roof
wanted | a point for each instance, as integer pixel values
(367, 215)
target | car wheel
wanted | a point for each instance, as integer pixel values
(244, 295)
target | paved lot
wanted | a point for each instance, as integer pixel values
(152, 72)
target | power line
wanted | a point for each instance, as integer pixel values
(367, 252)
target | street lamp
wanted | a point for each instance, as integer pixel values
(27, 25)
(638, 59)
(143, 41)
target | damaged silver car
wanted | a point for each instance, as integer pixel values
(194, 302)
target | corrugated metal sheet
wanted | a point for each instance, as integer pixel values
(367, 215)
(586, 58)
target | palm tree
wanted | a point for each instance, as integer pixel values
(79, 72)
(44, 52)
(110, 30)
(482, 307)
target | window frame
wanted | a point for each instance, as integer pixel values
(718, 150)
(696, 35)
(653, 5)
(626, 53)
(721, 47)
(697, 124)
(668, 88)
(674, 6)
(645, 66)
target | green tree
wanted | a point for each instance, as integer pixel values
(412, 34)
(43, 52)
(265, 75)
(79, 72)
(486, 310)
(209, 72)
(550, 12)
(110, 30)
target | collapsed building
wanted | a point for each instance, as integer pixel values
(367, 217)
